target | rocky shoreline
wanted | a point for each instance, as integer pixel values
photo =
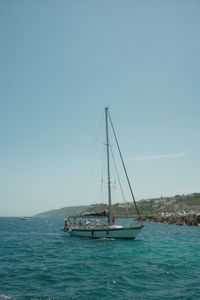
(188, 219)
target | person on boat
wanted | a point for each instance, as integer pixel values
(80, 224)
(113, 219)
(69, 223)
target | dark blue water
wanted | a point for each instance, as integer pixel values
(39, 261)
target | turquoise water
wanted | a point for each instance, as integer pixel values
(39, 261)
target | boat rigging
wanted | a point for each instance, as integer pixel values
(88, 225)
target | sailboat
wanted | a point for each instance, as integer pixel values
(93, 225)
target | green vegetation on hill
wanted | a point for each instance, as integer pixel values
(63, 212)
(178, 203)
(174, 204)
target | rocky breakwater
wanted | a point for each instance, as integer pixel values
(188, 219)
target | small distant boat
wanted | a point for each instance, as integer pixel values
(89, 225)
(25, 218)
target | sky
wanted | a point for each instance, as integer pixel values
(61, 63)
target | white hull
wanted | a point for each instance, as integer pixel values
(111, 232)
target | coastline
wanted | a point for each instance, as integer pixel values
(181, 219)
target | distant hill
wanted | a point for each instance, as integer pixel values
(178, 203)
(62, 212)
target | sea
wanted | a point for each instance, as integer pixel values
(39, 261)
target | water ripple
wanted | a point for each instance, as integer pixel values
(40, 262)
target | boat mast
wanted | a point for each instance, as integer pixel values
(108, 170)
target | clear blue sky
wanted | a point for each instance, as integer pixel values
(62, 62)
